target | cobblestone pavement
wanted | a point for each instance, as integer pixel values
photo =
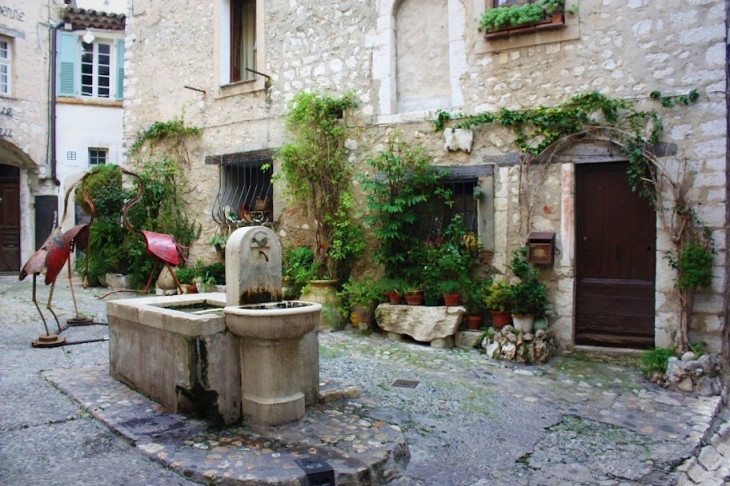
(469, 420)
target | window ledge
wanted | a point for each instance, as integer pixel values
(88, 102)
(241, 87)
(557, 21)
(547, 33)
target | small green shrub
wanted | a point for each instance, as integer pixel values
(693, 265)
(655, 361)
(298, 268)
(516, 15)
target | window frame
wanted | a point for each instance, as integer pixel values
(223, 50)
(98, 150)
(8, 63)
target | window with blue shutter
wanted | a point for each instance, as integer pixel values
(119, 95)
(67, 58)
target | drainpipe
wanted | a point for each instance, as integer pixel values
(52, 101)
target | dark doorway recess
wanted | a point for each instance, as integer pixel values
(9, 218)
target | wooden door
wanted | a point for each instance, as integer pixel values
(9, 224)
(615, 252)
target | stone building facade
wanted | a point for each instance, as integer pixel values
(406, 59)
(35, 129)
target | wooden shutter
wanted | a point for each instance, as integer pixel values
(67, 57)
(119, 94)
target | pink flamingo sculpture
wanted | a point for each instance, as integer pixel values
(161, 246)
(52, 256)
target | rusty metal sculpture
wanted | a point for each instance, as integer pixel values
(51, 257)
(161, 246)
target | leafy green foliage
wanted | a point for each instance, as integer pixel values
(174, 131)
(316, 171)
(402, 179)
(498, 297)
(163, 207)
(107, 235)
(516, 15)
(529, 296)
(298, 268)
(693, 265)
(655, 360)
(670, 101)
(364, 294)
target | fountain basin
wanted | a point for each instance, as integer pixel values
(177, 351)
(271, 341)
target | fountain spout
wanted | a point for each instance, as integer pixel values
(261, 252)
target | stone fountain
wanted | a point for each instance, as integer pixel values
(242, 354)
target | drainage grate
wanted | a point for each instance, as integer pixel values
(405, 383)
(154, 425)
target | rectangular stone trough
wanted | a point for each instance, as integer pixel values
(184, 358)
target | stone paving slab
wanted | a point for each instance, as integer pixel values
(360, 450)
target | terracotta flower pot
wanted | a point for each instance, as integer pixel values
(473, 322)
(500, 319)
(393, 297)
(414, 298)
(452, 300)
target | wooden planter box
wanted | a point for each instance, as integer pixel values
(557, 21)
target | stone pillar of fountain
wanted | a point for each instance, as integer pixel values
(253, 266)
(278, 340)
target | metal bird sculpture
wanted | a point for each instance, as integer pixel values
(161, 246)
(52, 256)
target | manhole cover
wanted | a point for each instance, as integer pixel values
(153, 425)
(405, 383)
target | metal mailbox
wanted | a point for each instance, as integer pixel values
(541, 247)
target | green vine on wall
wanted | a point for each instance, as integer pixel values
(542, 132)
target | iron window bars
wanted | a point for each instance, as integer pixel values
(245, 192)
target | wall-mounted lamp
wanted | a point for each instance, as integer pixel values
(89, 37)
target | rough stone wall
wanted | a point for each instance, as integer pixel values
(622, 49)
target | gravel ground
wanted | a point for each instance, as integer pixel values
(469, 420)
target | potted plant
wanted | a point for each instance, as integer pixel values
(186, 277)
(451, 292)
(529, 296)
(361, 297)
(414, 295)
(392, 289)
(474, 303)
(498, 299)
(511, 16)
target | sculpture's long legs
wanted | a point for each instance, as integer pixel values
(50, 297)
(174, 277)
(144, 291)
(71, 285)
(36, 305)
(152, 274)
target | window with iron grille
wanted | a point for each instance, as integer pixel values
(245, 193)
(436, 216)
(97, 156)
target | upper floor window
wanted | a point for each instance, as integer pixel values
(90, 67)
(243, 40)
(97, 156)
(96, 69)
(5, 66)
(240, 46)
